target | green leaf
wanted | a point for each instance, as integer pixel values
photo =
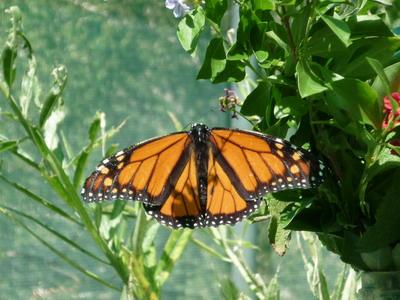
(290, 106)
(273, 290)
(357, 99)
(215, 10)
(57, 234)
(354, 64)
(94, 129)
(30, 88)
(256, 102)
(215, 60)
(261, 55)
(368, 26)
(173, 250)
(309, 83)
(233, 72)
(300, 23)
(339, 27)
(190, 29)
(378, 68)
(383, 232)
(52, 100)
(392, 73)
(379, 260)
(228, 289)
(340, 284)
(263, 4)
(7, 145)
(9, 67)
(277, 235)
(325, 43)
(61, 254)
(237, 52)
(47, 204)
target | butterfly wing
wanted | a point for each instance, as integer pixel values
(258, 163)
(182, 207)
(225, 205)
(145, 172)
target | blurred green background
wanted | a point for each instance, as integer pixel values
(124, 59)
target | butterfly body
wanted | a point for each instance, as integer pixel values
(200, 135)
(203, 177)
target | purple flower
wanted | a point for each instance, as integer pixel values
(179, 7)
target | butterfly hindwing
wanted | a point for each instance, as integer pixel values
(224, 203)
(182, 207)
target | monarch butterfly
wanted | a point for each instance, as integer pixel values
(203, 177)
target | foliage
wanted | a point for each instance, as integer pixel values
(42, 149)
(319, 71)
(141, 252)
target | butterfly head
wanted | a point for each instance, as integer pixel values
(199, 129)
(199, 133)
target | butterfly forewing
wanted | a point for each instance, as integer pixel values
(260, 163)
(145, 172)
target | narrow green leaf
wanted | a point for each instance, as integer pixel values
(338, 291)
(64, 187)
(308, 82)
(190, 29)
(53, 208)
(30, 88)
(150, 236)
(392, 73)
(228, 289)
(173, 250)
(378, 68)
(94, 129)
(322, 285)
(210, 250)
(7, 145)
(62, 255)
(9, 68)
(54, 96)
(273, 290)
(339, 27)
(139, 232)
(215, 10)
(56, 233)
(214, 61)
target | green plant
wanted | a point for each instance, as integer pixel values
(319, 72)
(141, 253)
(42, 149)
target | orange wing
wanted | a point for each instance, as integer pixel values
(146, 172)
(182, 207)
(225, 205)
(258, 163)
